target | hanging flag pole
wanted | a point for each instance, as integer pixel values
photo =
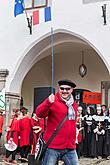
(29, 20)
(52, 40)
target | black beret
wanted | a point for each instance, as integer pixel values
(67, 82)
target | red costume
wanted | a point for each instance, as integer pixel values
(1, 123)
(25, 128)
(66, 137)
(14, 130)
(12, 134)
(35, 136)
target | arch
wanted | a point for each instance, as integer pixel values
(41, 48)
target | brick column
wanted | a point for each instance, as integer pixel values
(12, 102)
(3, 74)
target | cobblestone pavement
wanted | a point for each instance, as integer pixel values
(88, 161)
(82, 161)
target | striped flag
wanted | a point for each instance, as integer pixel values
(42, 15)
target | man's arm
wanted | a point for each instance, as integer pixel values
(43, 109)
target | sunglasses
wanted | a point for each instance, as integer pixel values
(67, 89)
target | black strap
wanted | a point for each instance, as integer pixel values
(55, 132)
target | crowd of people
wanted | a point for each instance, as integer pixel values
(84, 133)
(94, 132)
(24, 131)
(54, 109)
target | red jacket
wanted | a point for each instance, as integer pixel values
(25, 128)
(14, 128)
(56, 111)
(1, 123)
(34, 135)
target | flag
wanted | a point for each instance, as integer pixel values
(19, 7)
(2, 99)
(42, 15)
(47, 14)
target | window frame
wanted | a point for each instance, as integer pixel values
(37, 6)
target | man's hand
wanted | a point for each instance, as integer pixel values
(51, 98)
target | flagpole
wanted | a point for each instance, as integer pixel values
(52, 48)
(29, 20)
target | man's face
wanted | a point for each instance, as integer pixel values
(65, 91)
(103, 108)
(98, 111)
(79, 110)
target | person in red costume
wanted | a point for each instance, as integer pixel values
(25, 128)
(63, 146)
(1, 123)
(12, 136)
(36, 129)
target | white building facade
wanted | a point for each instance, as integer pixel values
(78, 26)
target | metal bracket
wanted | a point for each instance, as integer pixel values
(104, 13)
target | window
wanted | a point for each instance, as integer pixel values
(31, 4)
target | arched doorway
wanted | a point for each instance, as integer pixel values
(35, 68)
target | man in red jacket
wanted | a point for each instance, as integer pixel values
(56, 106)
